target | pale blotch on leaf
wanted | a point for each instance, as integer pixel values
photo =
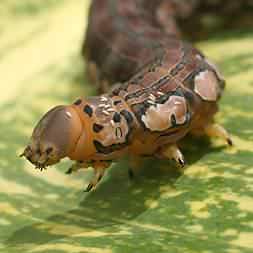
(244, 202)
(151, 203)
(244, 239)
(4, 222)
(7, 208)
(199, 209)
(249, 171)
(146, 226)
(56, 178)
(25, 210)
(59, 229)
(96, 233)
(241, 144)
(230, 232)
(195, 228)
(52, 196)
(201, 171)
(13, 188)
(65, 247)
(166, 191)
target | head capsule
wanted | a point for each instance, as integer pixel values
(54, 137)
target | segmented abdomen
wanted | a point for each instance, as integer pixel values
(122, 37)
(165, 81)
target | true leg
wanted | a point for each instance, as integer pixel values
(77, 166)
(174, 153)
(134, 165)
(216, 130)
(99, 170)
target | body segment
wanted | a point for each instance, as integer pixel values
(165, 89)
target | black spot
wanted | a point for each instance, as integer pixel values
(49, 150)
(116, 92)
(174, 72)
(180, 66)
(127, 115)
(101, 148)
(140, 110)
(97, 128)
(78, 102)
(87, 109)
(189, 96)
(116, 102)
(29, 159)
(173, 120)
(116, 117)
(165, 97)
(168, 134)
(108, 149)
(152, 69)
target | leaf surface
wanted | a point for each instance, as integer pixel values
(208, 209)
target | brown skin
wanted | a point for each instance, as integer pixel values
(71, 131)
(54, 137)
(166, 89)
(68, 131)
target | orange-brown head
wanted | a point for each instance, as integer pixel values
(54, 137)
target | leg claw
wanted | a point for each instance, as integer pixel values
(230, 142)
(89, 187)
(69, 171)
(216, 130)
(181, 162)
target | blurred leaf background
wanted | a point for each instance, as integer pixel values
(208, 209)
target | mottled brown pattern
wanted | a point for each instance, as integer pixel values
(165, 89)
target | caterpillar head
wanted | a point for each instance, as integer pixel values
(54, 137)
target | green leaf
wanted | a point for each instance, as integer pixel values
(208, 209)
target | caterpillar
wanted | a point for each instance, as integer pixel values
(163, 89)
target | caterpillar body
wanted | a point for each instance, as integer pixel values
(165, 89)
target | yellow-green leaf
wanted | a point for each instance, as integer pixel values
(209, 209)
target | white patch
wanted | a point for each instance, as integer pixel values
(158, 117)
(152, 97)
(103, 98)
(106, 112)
(201, 76)
(151, 102)
(206, 85)
(199, 57)
(146, 120)
(69, 114)
(112, 123)
(150, 119)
